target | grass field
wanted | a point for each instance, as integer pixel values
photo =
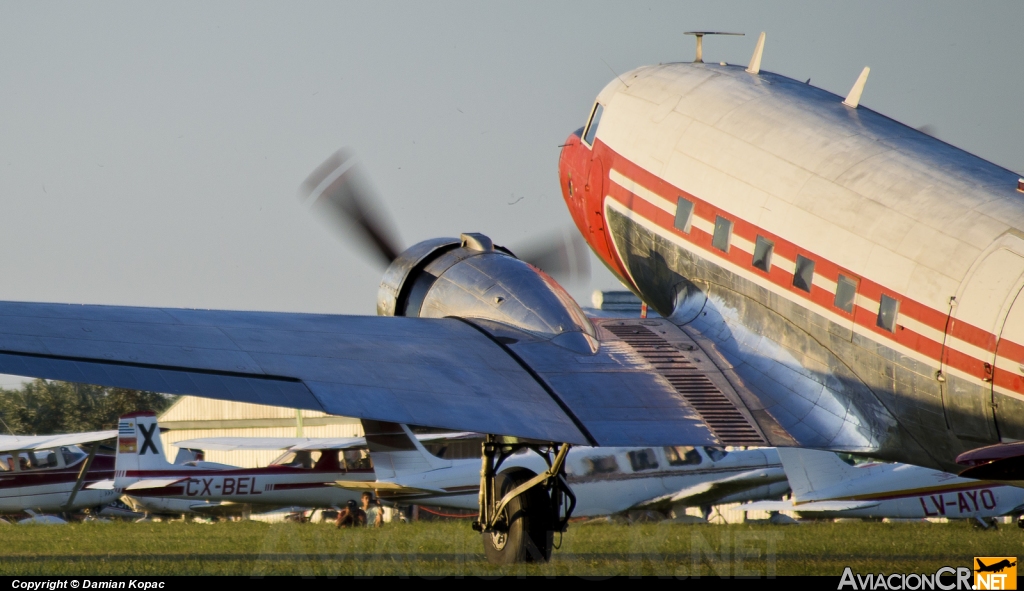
(451, 548)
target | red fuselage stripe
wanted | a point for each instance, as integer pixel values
(923, 314)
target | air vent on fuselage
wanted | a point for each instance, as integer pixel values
(727, 423)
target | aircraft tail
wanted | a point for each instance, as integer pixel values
(810, 471)
(395, 451)
(139, 448)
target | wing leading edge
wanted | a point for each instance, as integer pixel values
(447, 373)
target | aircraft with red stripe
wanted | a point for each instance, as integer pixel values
(826, 277)
(301, 477)
(823, 485)
(857, 280)
(52, 473)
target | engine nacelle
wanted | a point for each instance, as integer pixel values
(474, 279)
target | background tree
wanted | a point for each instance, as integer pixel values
(42, 407)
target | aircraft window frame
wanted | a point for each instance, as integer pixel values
(803, 274)
(763, 250)
(888, 312)
(298, 458)
(590, 132)
(642, 459)
(722, 238)
(350, 463)
(684, 215)
(682, 455)
(596, 465)
(850, 299)
(715, 454)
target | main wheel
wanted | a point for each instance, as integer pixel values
(526, 534)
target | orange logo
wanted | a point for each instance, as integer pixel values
(126, 445)
(995, 572)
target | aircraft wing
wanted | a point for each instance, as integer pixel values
(709, 492)
(638, 389)
(807, 507)
(384, 488)
(263, 443)
(33, 442)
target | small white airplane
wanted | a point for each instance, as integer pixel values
(604, 480)
(50, 473)
(825, 486)
(300, 477)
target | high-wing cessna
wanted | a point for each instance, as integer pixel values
(300, 477)
(825, 486)
(604, 481)
(827, 277)
(51, 473)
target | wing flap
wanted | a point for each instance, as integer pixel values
(825, 506)
(153, 483)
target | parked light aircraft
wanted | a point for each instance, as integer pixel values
(50, 473)
(298, 478)
(605, 481)
(827, 277)
(824, 485)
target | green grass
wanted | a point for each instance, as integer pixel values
(451, 548)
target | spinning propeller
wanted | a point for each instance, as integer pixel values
(343, 196)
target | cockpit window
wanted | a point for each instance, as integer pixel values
(595, 120)
(298, 459)
(643, 459)
(682, 455)
(600, 465)
(357, 459)
(41, 459)
(715, 453)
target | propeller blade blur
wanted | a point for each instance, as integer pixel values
(564, 255)
(342, 195)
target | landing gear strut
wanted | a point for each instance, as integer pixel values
(520, 510)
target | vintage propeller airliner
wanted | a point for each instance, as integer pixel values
(827, 278)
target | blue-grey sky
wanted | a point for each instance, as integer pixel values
(150, 153)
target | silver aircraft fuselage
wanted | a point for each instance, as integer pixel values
(856, 280)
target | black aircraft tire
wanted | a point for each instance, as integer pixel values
(529, 537)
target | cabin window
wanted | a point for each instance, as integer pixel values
(723, 233)
(684, 214)
(643, 459)
(887, 310)
(299, 459)
(804, 274)
(846, 292)
(595, 120)
(763, 254)
(715, 453)
(682, 455)
(600, 465)
(357, 459)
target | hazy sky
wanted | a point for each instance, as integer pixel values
(150, 154)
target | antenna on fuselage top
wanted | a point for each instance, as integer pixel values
(699, 58)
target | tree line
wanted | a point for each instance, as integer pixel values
(43, 407)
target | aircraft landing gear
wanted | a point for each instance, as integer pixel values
(520, 510)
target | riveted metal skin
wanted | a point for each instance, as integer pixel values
(476, 280)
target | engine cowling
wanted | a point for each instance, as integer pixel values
(472, 278)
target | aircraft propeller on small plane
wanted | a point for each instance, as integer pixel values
(342, 195)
